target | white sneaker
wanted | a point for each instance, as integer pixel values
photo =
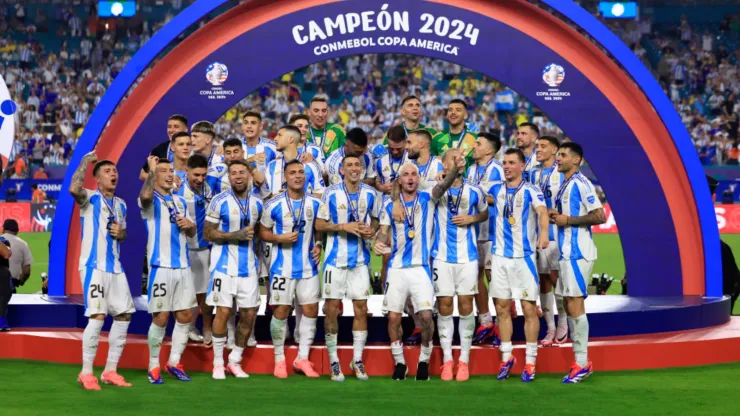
(561, 335)
(336, 372)
(194, 336)
(359, 368)
(236, 370)
(218, 373)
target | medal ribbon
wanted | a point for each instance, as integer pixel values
(171, 206)
(323, 136)
(296, 218)
(410, 217)
(113, 217)
(452, 203)
(394, 172)
(545, 183)
(478, 176)
(243, 208)
(354, 213)
(561, 192)
(509, 209)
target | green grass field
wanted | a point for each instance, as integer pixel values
(54, 391)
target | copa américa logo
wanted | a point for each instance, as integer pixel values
(217, 74)
(553, 75)
(7, 122)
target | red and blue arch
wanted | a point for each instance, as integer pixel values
(633, 137)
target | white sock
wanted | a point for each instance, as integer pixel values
(307, 331)
(426, 352)
(562, 315)
(579, 335)
(179, 341)
(485, 319)
(219, 343)
(116, 342)
(90, 339)
(331, 346)
(548, 309)
(466, 329)
(231, 330)
(251, 333)
(196, 312)
(277, 331)
(531, 353)
(155, 337)
(235, 357)
(446, 327)
(359, 338)
(506, 349)
(397, 351)
(298, 315)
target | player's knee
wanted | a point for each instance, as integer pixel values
(529, 309)
(394, 319)
(98, 317)
(124, 317)
(445, 305)
(465, 305)
(503, 309)
(184, 316)
(360, 308)
(426, 319)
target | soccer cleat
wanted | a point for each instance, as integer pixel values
(281, 370)
(496, 338)
(482, 333)
(578, 374)
(505, 368)
(561, 335)
(336, 372)
(528, 374)
(194, 336)
(400, 372)
(447, 370)
(359, 368)
(177, 371)
(88, 382)
(548, 339)
(415, 337)
(236, 370)
(4, 324)
(155, 376)
(219, 373)
(113, 378)
(463, 371)
(306, 367)
(422, 371)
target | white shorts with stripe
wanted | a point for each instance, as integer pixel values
(411, 282)
(170, 290)
(105, 293)
(452, 279)
(352, 284)
(200, 261)
(572, 279)
(283, 290)
(548, 259)
(514, 278)
(225, 289)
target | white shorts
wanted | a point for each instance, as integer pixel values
(264, 259)
(283, 290)
(514, 278)
(224, 289)
(548, 259)
(353, 284)
(170, 290)
(413, 282)
(572, 280)
(452, 279)
(484, 254)
(200, 261)
(105, 293)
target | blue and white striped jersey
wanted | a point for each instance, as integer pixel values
(483, 176)
(387, 167)
(345, 250)
(428, 173)
(518, 239)
(99, 250)
(167, 245)
(452, 243)
(229, 214)
(275, 178)
(292, 260)
(334, 166)
(530, 164)
(316, 152)
(198, 201)
(549, 181)
(263, 146)
(578, 199)
(409, 251)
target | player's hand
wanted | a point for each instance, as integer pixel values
(353, 228)
(177, 182)
(381, 248)
(366, 231)
(91, 157)
(551, 212)
(152, 162)
(184, 223)
(289, 238)
(397, 213)
(306, 157)
(260, 158)
(460, 163)
(463, 220)
(115, 230)
(316, 254)
(385, 187)
(245, 234)
(559, 219)
(440, 176)
(542, 241)
(220, 151)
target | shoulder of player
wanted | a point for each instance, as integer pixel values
(268, 142)
(336, 127)
(313, 199)
(583, 181)
(475, 188)
(333, 188)
(274, 201)
(120, 201)
(494, 186)
(220, 197)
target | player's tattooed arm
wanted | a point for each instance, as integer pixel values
(594, 217)
(449, 179)
(383, 241)
(77, 188)
(214, 235)
(146, 195)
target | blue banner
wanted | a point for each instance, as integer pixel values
(23, 191)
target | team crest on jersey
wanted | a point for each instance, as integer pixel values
(324, 210)
(464, 204)
(519, 200)
(234, 212)
(363, 205)
(591, 199)
(336, 178)
(309, 213)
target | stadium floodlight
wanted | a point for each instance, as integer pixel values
(116, 8)
(618, 9)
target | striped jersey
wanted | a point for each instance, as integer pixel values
(530, 165)
(405, 251)
(316, 152)
(428, 172)
(99, 250)
(167, 245)
(198, 200)
(578, 199)
(452, 243)
(517, 240)
(338, 206)
(387, 167)
(483, 176)
(229, 214)
(275, 178)
(292, 260)
(334, 164)
(263, 146)
(183, 178)
(549, 181)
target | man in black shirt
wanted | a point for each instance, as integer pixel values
(730, 272)
(6, 290)
(175, 124)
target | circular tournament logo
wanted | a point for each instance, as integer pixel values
(217, 73)
(553, 75)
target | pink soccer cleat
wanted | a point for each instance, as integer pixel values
(88, 382)
(463, 371)
(547, 341)
(306, 367)
(113, 378)
(219, 373)
(447, 370)
(281, 370)
(236, 371)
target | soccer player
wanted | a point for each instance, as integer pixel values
(457, 136)
(349, 214)
(175, 124)
(202, 134)
(356, 145)
(231, 221)
(412, 113)
(307, 151)
(288, 224)
(387, 165)
(233, 150)
(487, 169)
(520, 208)
(328, 136)
(455, 263)
(526, 139)
(287, 140)
(169, 224)
(104, 283)
(257, 150)
(198, 194)
(577, 208)
(408, 242)
(181, 148)
(548, 179)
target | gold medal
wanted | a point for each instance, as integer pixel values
(411, 234)
(512, 220)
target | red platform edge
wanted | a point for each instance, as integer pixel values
(716, 345)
